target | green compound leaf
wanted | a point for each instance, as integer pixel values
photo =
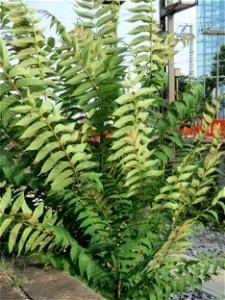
(4, 55)
(13, 236)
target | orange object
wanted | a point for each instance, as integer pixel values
(194, 130)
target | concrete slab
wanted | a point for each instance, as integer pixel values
(45, 283)
(7, 292)
(216, 286)
(48, 283)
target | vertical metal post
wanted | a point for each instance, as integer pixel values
(191, 52)
(171, 61)
(217, 67)
(162, 4)
(177, 88)
(204, 87)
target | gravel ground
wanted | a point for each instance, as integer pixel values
(196, 295)
(208, 241)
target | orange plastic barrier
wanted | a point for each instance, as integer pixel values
(194, 130)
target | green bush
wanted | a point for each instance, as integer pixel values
(95, 177)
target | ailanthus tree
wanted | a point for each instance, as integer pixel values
(116, 190)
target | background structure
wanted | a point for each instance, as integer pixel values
(210, 16)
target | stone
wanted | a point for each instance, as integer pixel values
(46, 283)
(7, 292)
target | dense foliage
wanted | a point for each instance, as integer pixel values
(95, 176)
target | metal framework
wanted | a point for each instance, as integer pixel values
(167, 9)
(110, 1)
(210, 27)
(176, 7)
(217, 33)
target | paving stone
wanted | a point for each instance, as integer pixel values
(7, 292)
(47, 283)
(216, 286)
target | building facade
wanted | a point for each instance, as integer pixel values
(210, 16)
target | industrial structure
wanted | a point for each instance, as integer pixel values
(190, 40)
(210, 16)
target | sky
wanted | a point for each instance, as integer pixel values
(64, 11)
